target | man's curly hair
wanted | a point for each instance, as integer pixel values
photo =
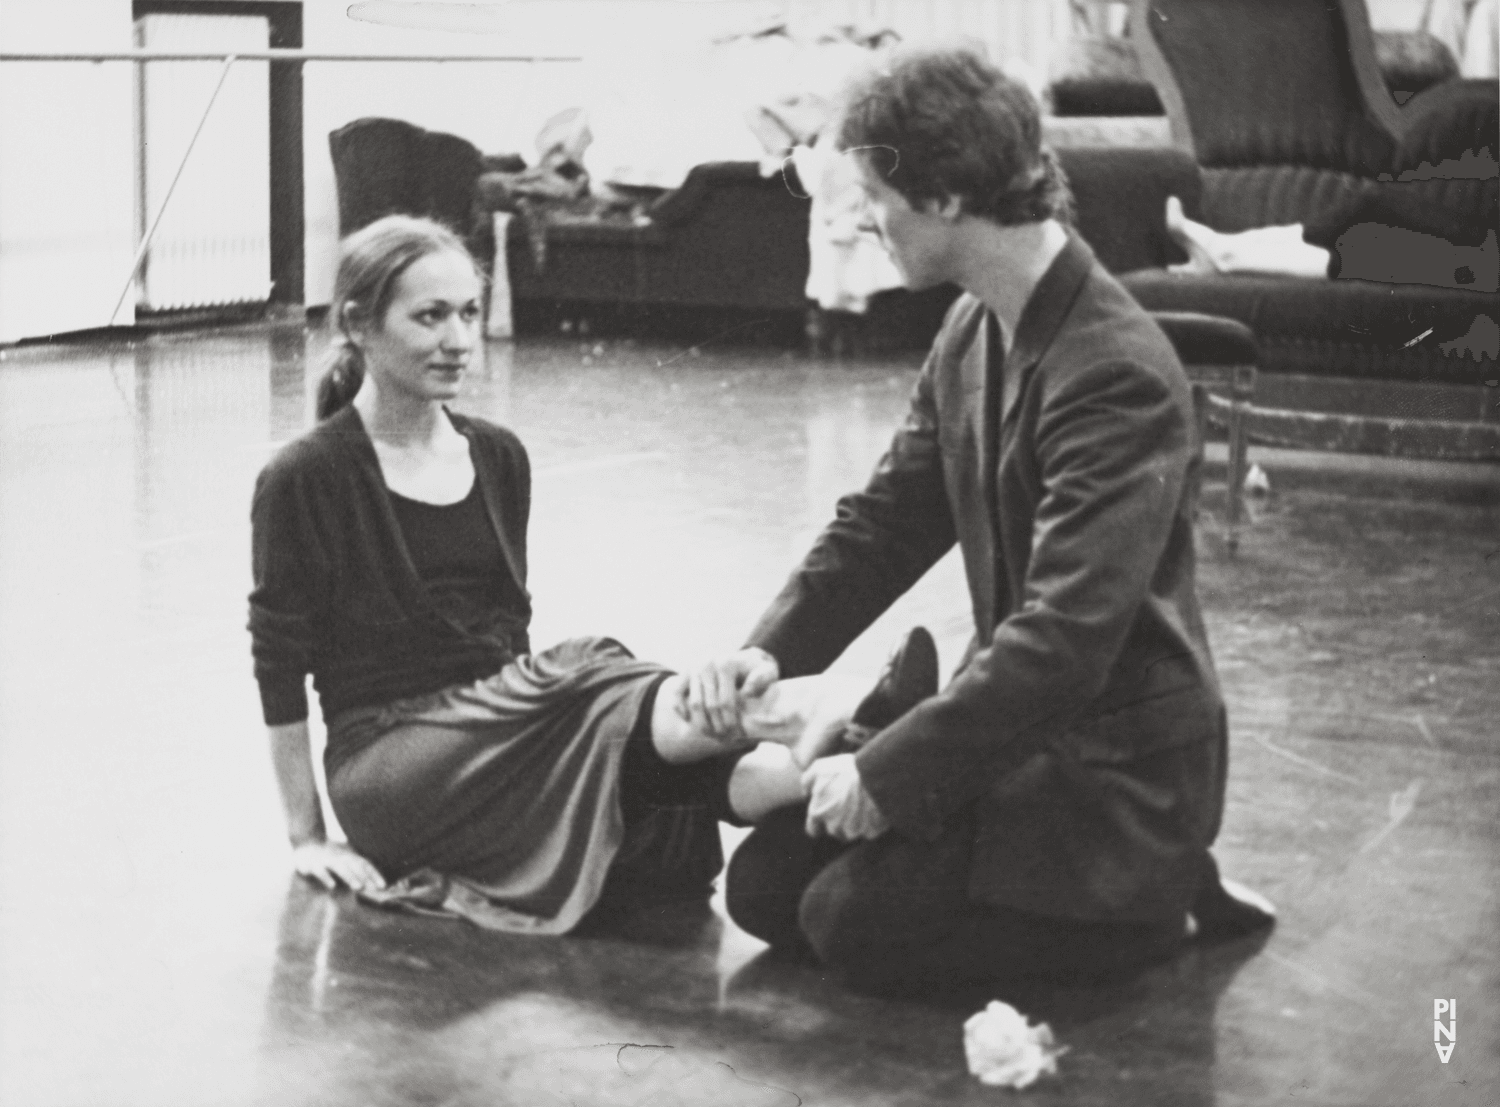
(946, 123)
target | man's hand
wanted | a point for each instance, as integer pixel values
(837, 803)
(712, 697)
(334, 863)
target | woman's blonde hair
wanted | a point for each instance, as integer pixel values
(370, 260)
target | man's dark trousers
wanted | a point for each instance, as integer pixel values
(894, 914)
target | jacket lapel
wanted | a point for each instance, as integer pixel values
(991, 349)
(976, 372)
(1040, 321)
(1043, 316)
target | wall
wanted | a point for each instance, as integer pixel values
(627, 45)
(68, 159)
(497, 106)
(1397, 15)
(67, 169)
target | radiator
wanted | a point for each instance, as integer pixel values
(213, 245)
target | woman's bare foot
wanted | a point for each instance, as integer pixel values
(806, 714)
(1196, 239)
(1279, 250)
(817, 716)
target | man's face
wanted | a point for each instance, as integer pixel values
(919, 240)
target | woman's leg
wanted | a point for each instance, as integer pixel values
(1276, 250)
(793, 723)
(805, 714)
(672, 809)
(764, 780)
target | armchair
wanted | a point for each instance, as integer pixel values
(385, 166)
(1283, 104)
(1280, 115)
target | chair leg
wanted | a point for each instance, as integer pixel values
(1200, 422)
(497, 317)
(1235, 477)
(1242, 390)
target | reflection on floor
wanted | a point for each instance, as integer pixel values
(153, 949)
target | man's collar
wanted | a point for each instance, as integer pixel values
(1050, 302)
(1043, 316)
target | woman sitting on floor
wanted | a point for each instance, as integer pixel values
(390, 563)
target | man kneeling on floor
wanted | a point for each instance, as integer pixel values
(1049, 812)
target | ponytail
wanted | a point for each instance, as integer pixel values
(342, 378)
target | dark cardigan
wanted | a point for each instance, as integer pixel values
(336, 593)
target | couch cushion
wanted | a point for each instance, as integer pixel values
(1100, 75)
(1103, 96)
(1343, 327)
(1462, 211)
(1448, 121)
(1413, 60)
(1272, 195)
(1208, 339)
(1120, 198)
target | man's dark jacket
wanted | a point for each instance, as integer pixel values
(1086, 724)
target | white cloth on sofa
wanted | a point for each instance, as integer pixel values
(845, 265)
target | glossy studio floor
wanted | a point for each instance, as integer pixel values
(155, 950)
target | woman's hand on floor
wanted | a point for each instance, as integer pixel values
(334, 863)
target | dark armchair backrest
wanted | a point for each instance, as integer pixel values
(448, 169)
(1270, 82)
(385, 166)
(1120, 199)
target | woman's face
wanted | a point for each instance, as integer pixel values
(423, 343)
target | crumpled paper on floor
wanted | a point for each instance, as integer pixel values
(1004, 1049)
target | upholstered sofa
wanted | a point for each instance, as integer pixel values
(727, 238)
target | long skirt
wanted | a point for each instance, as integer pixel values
(511, 783)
